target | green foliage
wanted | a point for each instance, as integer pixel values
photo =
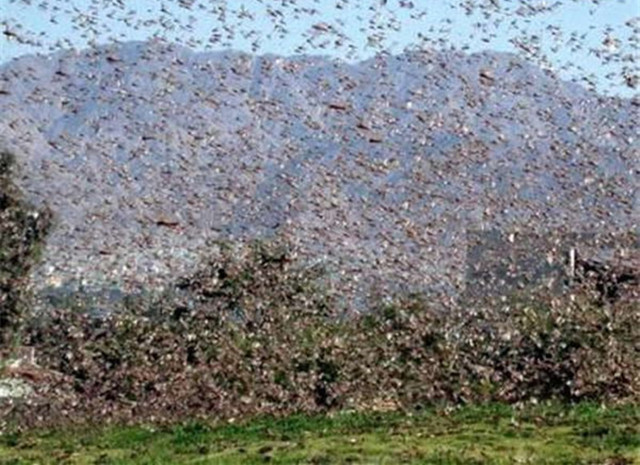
(22, 233)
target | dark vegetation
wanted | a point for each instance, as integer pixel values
(22, 232)
(253, 331)
(608, 282)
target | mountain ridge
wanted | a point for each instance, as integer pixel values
(379, 167)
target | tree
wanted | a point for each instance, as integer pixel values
(23, 229)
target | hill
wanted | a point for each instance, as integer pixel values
(147, 153)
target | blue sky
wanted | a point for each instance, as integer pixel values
(568, 38)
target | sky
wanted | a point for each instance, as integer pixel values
(594, 42)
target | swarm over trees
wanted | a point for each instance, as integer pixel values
(253, 331)
(23, 229)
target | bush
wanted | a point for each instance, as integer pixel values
(22, 233)
(254, 333)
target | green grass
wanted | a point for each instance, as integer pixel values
(495, 434)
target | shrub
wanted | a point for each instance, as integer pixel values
(253, 332)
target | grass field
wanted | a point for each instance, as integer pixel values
(496, 434)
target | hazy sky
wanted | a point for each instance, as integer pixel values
(578, 38)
